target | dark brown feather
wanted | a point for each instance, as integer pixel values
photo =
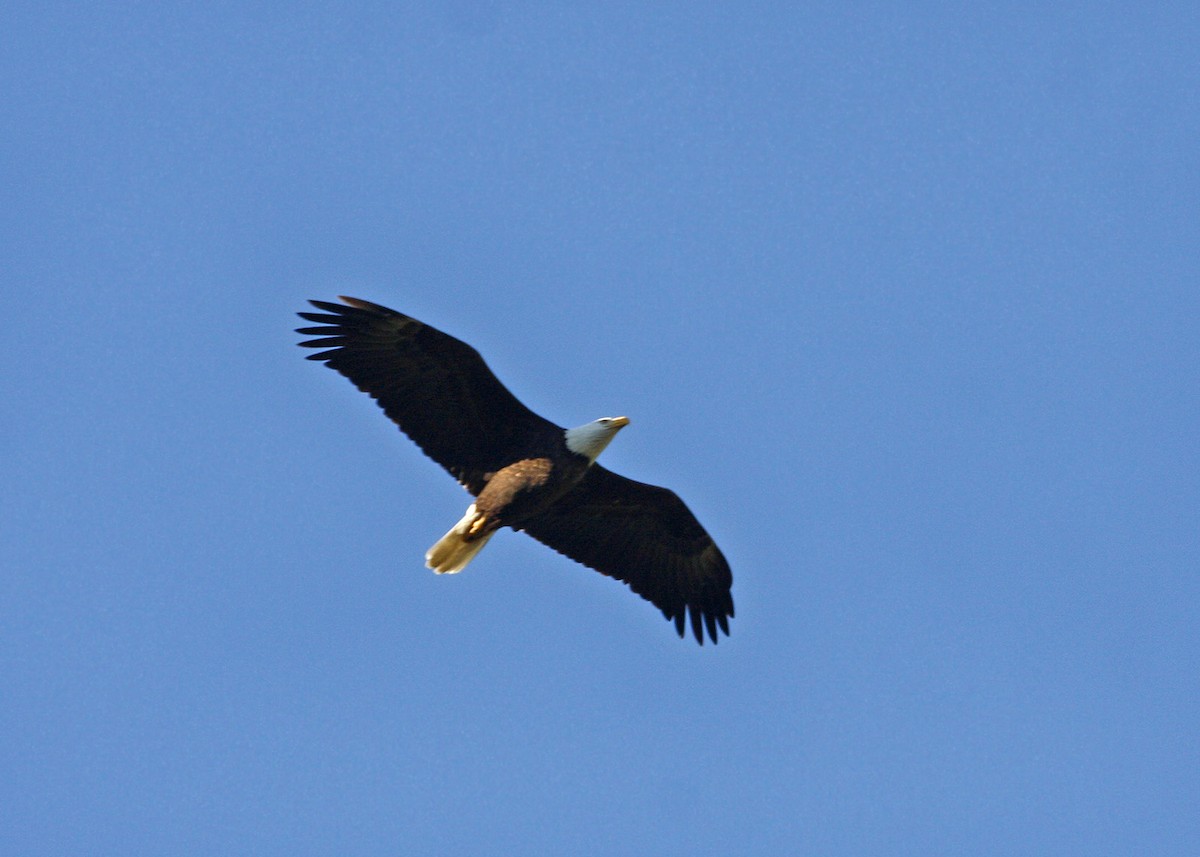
(435, 387)
(647, 537)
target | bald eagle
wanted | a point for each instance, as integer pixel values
(524, 471)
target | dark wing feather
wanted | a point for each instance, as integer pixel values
(645, 536)
(435, 387)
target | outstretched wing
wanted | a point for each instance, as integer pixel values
(645, 536)
(435, 387)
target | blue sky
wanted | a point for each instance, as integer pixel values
(902, 302)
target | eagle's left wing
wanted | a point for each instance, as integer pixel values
(645, 536)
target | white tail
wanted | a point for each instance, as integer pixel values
(451, 553)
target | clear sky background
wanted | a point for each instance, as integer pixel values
(903, 303)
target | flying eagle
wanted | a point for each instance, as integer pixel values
(524, 471)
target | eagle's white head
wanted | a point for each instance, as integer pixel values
(590, 439)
